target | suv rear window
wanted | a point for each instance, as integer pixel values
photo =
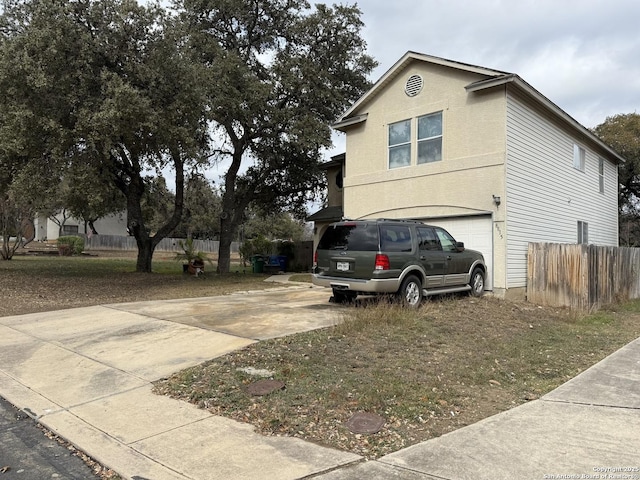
(353, 236)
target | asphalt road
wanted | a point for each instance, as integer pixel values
(27, 454)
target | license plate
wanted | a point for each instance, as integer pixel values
(342, 266)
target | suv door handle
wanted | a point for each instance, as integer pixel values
(448, 257)
(422, 257)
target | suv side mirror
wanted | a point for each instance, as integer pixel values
(460, 246)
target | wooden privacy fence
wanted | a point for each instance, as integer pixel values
(582, 276)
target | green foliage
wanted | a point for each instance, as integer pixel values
(14, 217)
(125, 89)
(157, 202)
(202, 205)
(100, 84)
(256, 246)
(622, 133)
(275, 225)
(71, 245)
(286, 248)
(277, 76)
(189, 252)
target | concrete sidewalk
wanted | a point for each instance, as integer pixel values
(86, 374)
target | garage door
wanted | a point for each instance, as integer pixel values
(476, 233)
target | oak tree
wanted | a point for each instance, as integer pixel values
(110, 88)
(279, 72)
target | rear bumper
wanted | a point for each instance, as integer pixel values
(388, 285)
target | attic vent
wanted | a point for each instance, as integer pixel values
(413, 86)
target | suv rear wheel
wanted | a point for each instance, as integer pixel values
(411, 292)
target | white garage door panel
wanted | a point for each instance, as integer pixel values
(476, 233)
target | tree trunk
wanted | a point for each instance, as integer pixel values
(135, 224)
(228, 216)
(224, 249)
(145, 255)
(134, 191)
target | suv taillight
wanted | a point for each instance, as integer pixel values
(382, 262)
(315, 259)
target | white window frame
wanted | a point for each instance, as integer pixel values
(601, 175)
(429, 139)
(583, 232)
(579, 157)
(414, 142)
(391, 146)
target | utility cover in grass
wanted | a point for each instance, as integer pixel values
(265, 387)
(363, 422)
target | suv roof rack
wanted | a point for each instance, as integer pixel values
(405, 220)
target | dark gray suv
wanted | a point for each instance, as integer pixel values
(404, 257)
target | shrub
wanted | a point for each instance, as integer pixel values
(287, 248)
(256, 246)
(70, 245)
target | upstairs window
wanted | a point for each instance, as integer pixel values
(430, 138)
(601, 175)
(400, 144)
(578, 157)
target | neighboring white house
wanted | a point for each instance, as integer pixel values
(47, 229)
(481, 153)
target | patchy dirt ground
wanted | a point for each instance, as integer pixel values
(38, 283)
(451, 363)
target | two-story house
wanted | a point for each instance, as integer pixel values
(481, 153)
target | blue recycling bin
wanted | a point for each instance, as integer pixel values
(282, 261)
(279, 261)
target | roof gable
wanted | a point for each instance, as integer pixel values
(493, 78)
(348, 119)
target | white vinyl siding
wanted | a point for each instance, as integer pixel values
(546, 195)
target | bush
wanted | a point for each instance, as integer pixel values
(70, 245)
(256, 246)
(287, 248)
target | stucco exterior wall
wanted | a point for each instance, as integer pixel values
(472, 169)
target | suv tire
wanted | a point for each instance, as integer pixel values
(477, 282)
(410, 292)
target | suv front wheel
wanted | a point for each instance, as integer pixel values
(477, 282)
(410, 292)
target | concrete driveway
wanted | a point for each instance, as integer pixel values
(86, 375)
(257, 315)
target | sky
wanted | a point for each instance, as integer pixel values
(583, 55)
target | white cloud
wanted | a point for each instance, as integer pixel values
(582, 55)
